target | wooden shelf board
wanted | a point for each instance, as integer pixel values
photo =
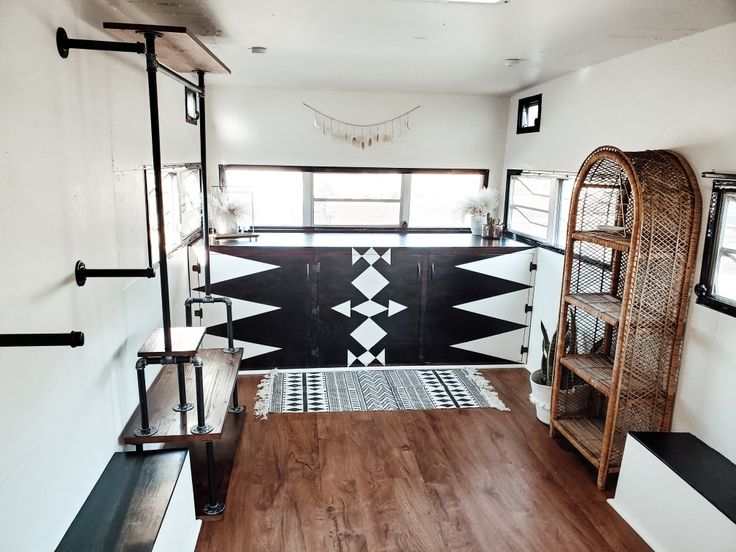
(184, 342)
(219, 375)
(175, 47)
(601, 305)
(596, 370)
(605, 239)
(585, 434)
(126, 507)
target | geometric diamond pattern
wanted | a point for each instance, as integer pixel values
(370, 282)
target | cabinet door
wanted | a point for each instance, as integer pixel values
(475, 310)
(271, 295)
(368, 307)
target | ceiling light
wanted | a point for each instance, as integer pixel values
(258, 50)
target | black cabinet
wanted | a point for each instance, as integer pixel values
(369, 303)
(477, 308)
(341, 306)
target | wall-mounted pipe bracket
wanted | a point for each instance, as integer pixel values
(72, 339)
(81, 273)
(64, 44)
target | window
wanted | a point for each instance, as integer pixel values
(529, 116)
(182, 209)
(345, 197)
(538, 205)
(356, 199)
(717, 287)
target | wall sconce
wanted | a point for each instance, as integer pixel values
(191, 110)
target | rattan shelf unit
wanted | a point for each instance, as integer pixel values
(632, 239)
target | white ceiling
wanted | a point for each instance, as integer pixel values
(424, 45)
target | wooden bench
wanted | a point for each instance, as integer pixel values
(141, 502)
(678, 493)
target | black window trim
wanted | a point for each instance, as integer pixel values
(523, 104)
(723, 183)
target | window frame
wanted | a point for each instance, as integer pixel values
(722, 185)
(148, 186)
(524, 104)
(554, 212)
(308, 201)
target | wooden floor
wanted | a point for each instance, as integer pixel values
(421, 481)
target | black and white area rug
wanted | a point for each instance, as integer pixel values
(375, 390)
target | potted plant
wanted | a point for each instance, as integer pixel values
(492, 228)
(541, 380)
(479, 207)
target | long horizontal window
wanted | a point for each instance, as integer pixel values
(365, 198)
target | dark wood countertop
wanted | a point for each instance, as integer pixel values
(371, 239)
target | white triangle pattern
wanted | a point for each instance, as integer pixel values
(343, 308)
(506, 345)
(228, 267)
(509, 306)
(511, 266)
(394, 307)
(369, 308)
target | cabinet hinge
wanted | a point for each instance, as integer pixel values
(316, 267)
(524, 350)
(196, 268)
(198, 313)
(528, 308)
(532, 267)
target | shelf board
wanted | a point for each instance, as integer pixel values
(219, 375)
(601, 305)
(585, 434)
(595, 370)
(184, 342)
(175, 47)
(606, 239)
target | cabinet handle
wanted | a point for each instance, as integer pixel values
(419, 270)
(307, 271)
(431, 273)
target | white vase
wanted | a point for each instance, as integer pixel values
(541, 396)
(476, 226)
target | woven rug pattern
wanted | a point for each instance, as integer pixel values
(375, 390)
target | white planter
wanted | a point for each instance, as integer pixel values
(541, 396)
(476, 226)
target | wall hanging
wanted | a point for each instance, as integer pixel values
(362, 136)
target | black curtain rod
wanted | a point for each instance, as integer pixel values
(73, 339)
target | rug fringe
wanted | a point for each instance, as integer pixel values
(263, 397)
(486, 389)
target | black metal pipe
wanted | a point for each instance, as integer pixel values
(236, 408)
(64, 44)
(213, 507)
(81, 273)
(178, 78)
(156, 150)
(230, 340)
(203, 183)
(201, 426)
(188, 314)
(72, 339)
(183, 405)
(146, 428)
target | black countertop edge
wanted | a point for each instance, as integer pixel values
(705, 469)
(296, 240)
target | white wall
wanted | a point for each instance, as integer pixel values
(675, 96)
(263, 126)
(66, 125)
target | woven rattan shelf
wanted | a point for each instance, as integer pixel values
(624, 300)
(600, 305)
(606, 239)
(596, 370)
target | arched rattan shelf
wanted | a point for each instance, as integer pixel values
(631, 245)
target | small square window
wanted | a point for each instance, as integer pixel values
(717, 287)
(529, 118)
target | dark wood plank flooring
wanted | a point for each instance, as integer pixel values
(415, 481)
